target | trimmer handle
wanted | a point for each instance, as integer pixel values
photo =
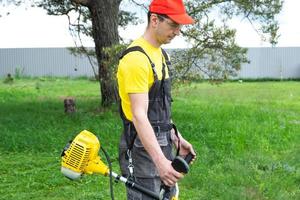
(181, 165)
(188, 158)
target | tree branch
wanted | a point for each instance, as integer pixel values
(82, 47)
(140, 5)
(82, 2)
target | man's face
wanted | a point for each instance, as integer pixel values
(166, 29)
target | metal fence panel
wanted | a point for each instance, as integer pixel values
(43, 62)
(278, 62)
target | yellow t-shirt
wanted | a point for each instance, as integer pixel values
(135, 74)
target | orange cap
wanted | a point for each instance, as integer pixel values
(174, 9)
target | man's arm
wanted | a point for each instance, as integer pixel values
(139, 108)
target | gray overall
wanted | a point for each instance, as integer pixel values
(159, 115)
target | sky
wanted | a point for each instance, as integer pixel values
(34, 28)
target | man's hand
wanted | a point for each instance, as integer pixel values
(167, 173)
(185, 146)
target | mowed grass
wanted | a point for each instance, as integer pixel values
(247, 137)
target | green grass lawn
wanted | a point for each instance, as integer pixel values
(247, 136)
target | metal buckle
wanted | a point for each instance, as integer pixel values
(130, 165)
(158, 131)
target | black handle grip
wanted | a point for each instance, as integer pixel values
(181, 165)
(188, 158)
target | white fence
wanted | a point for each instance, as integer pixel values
(43, 62)
(277, 63)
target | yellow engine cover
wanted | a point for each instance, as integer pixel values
(82, 155)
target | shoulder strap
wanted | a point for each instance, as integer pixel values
(176, 134)
(167, 60)
(166, 57)
(130, 49)
(130, 124)
(140, 49)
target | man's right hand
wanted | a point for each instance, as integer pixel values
(167, 173)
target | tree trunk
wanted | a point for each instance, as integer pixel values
(104, 14)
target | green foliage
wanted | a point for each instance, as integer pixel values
(217, 64)
(261, 11)
(112, 62)
(246, 136)
(126, 18)
(19, 72)
(214, 53)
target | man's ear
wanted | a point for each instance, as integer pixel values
(154, 20)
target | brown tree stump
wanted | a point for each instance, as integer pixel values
(69, 104)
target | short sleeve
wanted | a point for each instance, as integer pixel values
(134, 69)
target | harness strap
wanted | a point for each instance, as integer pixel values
(140, 49)
(130, 124)
(167, 60)
(156, 127)
(178, 143)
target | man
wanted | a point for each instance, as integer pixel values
(145, 151)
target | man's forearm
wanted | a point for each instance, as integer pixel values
(147, 137)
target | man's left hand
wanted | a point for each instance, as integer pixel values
(185, 146)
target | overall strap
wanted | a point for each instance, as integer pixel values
(140, 49)
(167, 60)
(178, 143)
(130, 124)
(168, 63)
